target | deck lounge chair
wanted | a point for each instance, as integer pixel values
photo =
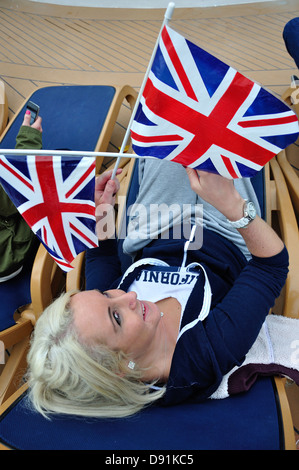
(258, 419)
(74, 118)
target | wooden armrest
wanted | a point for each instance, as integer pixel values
(288, 159)
(291, 97)
(289, 233)
(14, 369)
(122, 93)
(75, 278)
(3, 107)
(12, 399)
(291, 178)
(286, 416)
(16, 333)
(47, 279)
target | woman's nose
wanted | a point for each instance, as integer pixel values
(131, 298)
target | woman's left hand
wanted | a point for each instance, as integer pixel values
(106, 188)
(105, 194)
(218, 191)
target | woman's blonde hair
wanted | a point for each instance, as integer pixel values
(67, 376)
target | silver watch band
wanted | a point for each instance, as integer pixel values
(241, 223)
(249, 215)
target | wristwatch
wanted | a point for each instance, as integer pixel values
(249, 212)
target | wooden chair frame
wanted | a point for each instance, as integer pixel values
(3, 107)
(281, 216)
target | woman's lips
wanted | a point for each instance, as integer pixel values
(144, 310)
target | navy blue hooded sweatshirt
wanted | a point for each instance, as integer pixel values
(242, 294)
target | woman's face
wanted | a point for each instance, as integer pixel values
(117, 319)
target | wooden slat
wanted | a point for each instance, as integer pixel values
(47, 44)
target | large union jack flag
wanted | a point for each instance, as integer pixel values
(55, 195)
(198, 111)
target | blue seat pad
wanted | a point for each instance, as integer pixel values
(73, 116)
(246, 421)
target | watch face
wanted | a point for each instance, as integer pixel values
(251, 210)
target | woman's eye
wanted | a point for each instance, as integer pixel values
(116, 317)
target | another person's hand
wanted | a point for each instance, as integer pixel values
(36, 125)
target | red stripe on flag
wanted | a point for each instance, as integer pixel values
(72, 226)
(229, 166)
(53, 211)
(268, 122)
(161, 138)
(12, 171)
(177, 63)
(45, 236)
(83, 177)
(63, 263)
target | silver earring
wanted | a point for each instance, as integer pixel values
(162, 314)
(131, 365)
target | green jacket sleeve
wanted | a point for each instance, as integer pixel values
(27, 138)
(16, 237)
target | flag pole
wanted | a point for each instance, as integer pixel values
(167, 17)
(63, 153)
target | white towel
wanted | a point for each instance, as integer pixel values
(276, 345)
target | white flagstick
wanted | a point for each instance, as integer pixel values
(62, 153)
(167, 17)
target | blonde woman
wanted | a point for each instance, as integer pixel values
(177, 325)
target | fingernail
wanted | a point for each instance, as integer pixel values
(28, 112)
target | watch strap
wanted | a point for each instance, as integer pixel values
(244, 221)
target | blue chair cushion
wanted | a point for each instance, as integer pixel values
(14, 293)
(73, 116)
(249, 421)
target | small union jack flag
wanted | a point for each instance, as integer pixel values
(198, 111)
(55, 195)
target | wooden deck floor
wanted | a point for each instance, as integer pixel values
(45, 44)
